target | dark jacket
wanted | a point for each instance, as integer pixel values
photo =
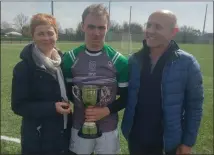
(34, 94)
(149, 105)
(182, 98)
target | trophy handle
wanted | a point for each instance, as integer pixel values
(76, 88)
(104, 92)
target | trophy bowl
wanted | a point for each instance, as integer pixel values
(89, 95)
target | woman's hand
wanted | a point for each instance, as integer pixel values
(63, 107)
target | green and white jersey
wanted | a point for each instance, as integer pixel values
(107, 68)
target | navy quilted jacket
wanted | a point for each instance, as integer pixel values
(34, 94)
(182, 95)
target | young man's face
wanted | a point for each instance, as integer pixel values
(159, 30)
(95, 28)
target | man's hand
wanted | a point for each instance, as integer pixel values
(93, 114)
(183, 150)
(63, 107)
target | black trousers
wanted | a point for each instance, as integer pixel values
(140, 150)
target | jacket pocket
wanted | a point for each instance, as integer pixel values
(38, 128)
(31, 140)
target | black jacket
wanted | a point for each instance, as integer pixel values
(34, 94)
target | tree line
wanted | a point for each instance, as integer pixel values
(116, 31)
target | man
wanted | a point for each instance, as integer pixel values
(165, 93)
(96, 63)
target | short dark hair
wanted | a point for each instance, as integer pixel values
(95, 9)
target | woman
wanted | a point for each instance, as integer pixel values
(39, 94)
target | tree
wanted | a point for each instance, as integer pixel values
(79, 36)
(5, 25)
(8, 30)
(69, 31)
(20, 21)
(60, 30)
(188, 34)
(69, 34)
(125, 27)
(135, 28)
(115, 27)
(26, 31)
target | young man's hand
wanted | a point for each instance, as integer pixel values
(183, 150)
(93, 114)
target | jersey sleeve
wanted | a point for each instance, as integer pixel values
(121, 64)
(67, 62)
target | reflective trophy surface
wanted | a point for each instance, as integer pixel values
(89, 95)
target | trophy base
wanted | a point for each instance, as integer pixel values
(87, 128)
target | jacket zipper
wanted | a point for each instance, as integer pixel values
(162, 108)
(162, 104)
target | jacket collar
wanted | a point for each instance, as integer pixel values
(26, 54)
(173, 48)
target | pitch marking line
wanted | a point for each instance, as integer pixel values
(11, 139)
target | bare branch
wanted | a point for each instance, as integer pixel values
(20, 21)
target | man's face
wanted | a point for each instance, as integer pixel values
(95, 28)
(158, 31)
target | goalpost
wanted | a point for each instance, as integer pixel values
(126, 43)
(126, 38)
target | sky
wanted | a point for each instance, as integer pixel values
(68, 14)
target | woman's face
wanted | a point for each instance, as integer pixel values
(45, 37)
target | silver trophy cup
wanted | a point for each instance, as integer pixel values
(90, 95)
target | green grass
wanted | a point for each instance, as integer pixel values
(10, 123)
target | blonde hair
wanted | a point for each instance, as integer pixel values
(97, 10)
(42, 19)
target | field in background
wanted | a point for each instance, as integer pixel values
(10, 123)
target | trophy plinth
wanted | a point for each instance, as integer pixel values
(89, 95)
(90, 130)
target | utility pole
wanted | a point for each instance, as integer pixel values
(130, 17)
(52, 8)
(205, 18)
(109, 35)
(109, 9)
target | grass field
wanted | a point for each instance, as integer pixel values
(10, 123)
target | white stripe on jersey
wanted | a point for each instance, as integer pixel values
(100, 79)
(68, 79)
(116, 58)
(71, 55)
(124, 84)
(93, 54)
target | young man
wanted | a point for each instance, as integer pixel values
(165, 94)
(96, 63)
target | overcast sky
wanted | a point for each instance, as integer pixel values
(69, 13)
